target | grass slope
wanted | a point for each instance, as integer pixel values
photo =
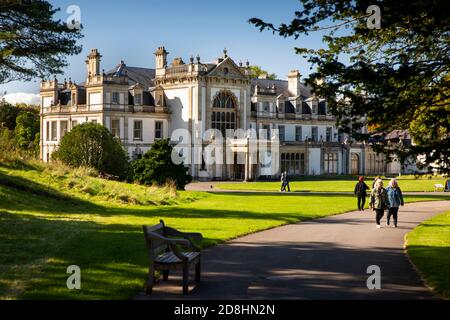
(428, 246)
(82, 183)
(47, 226)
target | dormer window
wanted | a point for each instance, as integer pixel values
(138, 99)
(225, 71)
(314, 104)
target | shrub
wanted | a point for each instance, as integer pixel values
(92, 145)
(156, 166)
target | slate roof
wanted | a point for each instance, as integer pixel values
(144, 76)
(281, 87)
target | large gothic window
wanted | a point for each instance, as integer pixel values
(224, 100)
(223, 116)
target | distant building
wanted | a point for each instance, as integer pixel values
(139, 105)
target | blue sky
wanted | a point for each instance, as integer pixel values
(131, 31)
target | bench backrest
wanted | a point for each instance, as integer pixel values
(155, 246)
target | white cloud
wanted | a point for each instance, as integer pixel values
(22, 97)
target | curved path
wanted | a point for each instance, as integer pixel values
(325, 258)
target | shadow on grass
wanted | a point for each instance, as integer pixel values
(35, 253)
(19, 164)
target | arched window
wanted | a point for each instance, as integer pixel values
(224, 109)
(224, 100)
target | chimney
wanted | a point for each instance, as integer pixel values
(294, 82)
(161, 57)
(93, 63)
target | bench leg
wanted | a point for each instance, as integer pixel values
(197, 271)
(166, 275)
(185, 278)
(150, 280)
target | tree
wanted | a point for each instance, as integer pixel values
(257, 71)
(27, 126)
(396, 77)
(32, 43)
(8, 115)
(156, 166)
(92, 145)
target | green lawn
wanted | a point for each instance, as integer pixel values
(428, 246)
(48, 223)
(337, 184)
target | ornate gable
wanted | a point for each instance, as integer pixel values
(227, 68)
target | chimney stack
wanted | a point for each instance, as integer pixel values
(161, 57)
(93, 63)
(294, 82)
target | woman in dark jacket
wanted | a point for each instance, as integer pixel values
(378, 201)
(360, 192)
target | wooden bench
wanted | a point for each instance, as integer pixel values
(438, 187)
(163, 244)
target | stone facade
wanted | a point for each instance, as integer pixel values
(139, 105)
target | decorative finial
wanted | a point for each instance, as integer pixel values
(247, 63)
(225, 55)
(191, 59)
(198, 58)
(240, 63)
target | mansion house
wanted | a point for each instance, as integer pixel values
(139, 105)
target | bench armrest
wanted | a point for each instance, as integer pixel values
(186, 235)
(169, 241)
(176, 233)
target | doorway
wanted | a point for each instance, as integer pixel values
(355, 164)
(237, 168)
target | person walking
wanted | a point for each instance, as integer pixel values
(378, 200)
(285, 182)
(394, 201)
(282, 179)
(360, 192)
(286, 178)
